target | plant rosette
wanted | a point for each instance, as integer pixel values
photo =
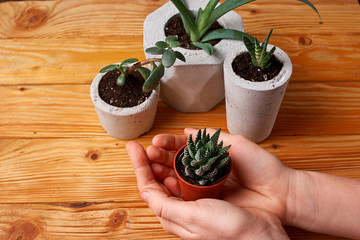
(198, 84)
(197, 189)
(252, 107)
(127, 122)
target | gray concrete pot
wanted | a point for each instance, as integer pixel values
(124, 123)
(198, 84)
(252, 107)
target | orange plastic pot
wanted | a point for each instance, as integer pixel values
(192, 192)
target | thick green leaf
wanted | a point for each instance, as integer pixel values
(174, 44)
(180, 56)
(129, 61)
(168, 58)
(162, 44)
(145, 72)
(225, 34)
(220, 10)
(170, 39)
(109, 68)
(207, 47)
(155, 51)
(121, 80)
(153, 80)
(312, 6)
(198, 16)
(206, 14)
(188, 19)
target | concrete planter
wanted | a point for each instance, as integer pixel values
(252, 107)
(124, 123)
(198, 84)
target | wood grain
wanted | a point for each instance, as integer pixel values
(49, 111)
(63, 177)
(98, 169)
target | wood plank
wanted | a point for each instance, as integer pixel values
(93, 221)
(51, 61)
(99, 170)
(319, 108)
(47, 61)
(79, 220)
(89, 18)
(51, 111)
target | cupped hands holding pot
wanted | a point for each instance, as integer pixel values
(260, 196)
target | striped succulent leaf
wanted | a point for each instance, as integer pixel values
(203, 157)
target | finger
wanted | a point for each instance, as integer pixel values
(172, 184)
(175, 229)
(160, 155)
(169, 142)
(140, 162)
(160, 171)
(172, 209)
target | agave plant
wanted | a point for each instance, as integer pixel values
(259, 56)
(197, 27)
(151, 76)
(203, 157)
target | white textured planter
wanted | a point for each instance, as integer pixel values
(124, 123)
(252, 107)
(198, 84)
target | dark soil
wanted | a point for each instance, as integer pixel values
(244, 68)
(129, 95)
(175, 27)
(218, 178)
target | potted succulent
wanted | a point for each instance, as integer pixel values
(253, 98)
(202, 166)
(125, 95)
(198, 85)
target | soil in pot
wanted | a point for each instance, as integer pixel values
(218, 178)
(175, 27)
(243, 67)
(129, 95)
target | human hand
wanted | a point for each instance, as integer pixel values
(201, 219)
(258, 178)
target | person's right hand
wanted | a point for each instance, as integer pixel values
(258, 179)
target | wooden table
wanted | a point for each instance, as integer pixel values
(63, 177)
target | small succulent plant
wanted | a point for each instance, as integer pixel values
(257, 51)
(197, 27)
(153, 75)
(203, 157)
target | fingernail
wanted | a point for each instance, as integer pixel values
(145, 196)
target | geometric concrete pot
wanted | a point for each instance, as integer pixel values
(124, 123)
(196, 85)
(252, 107)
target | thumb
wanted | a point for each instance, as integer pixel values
(163, 205)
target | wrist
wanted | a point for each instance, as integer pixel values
(266, 226)
(301, 202)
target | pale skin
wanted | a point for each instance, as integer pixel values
(260, 196)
